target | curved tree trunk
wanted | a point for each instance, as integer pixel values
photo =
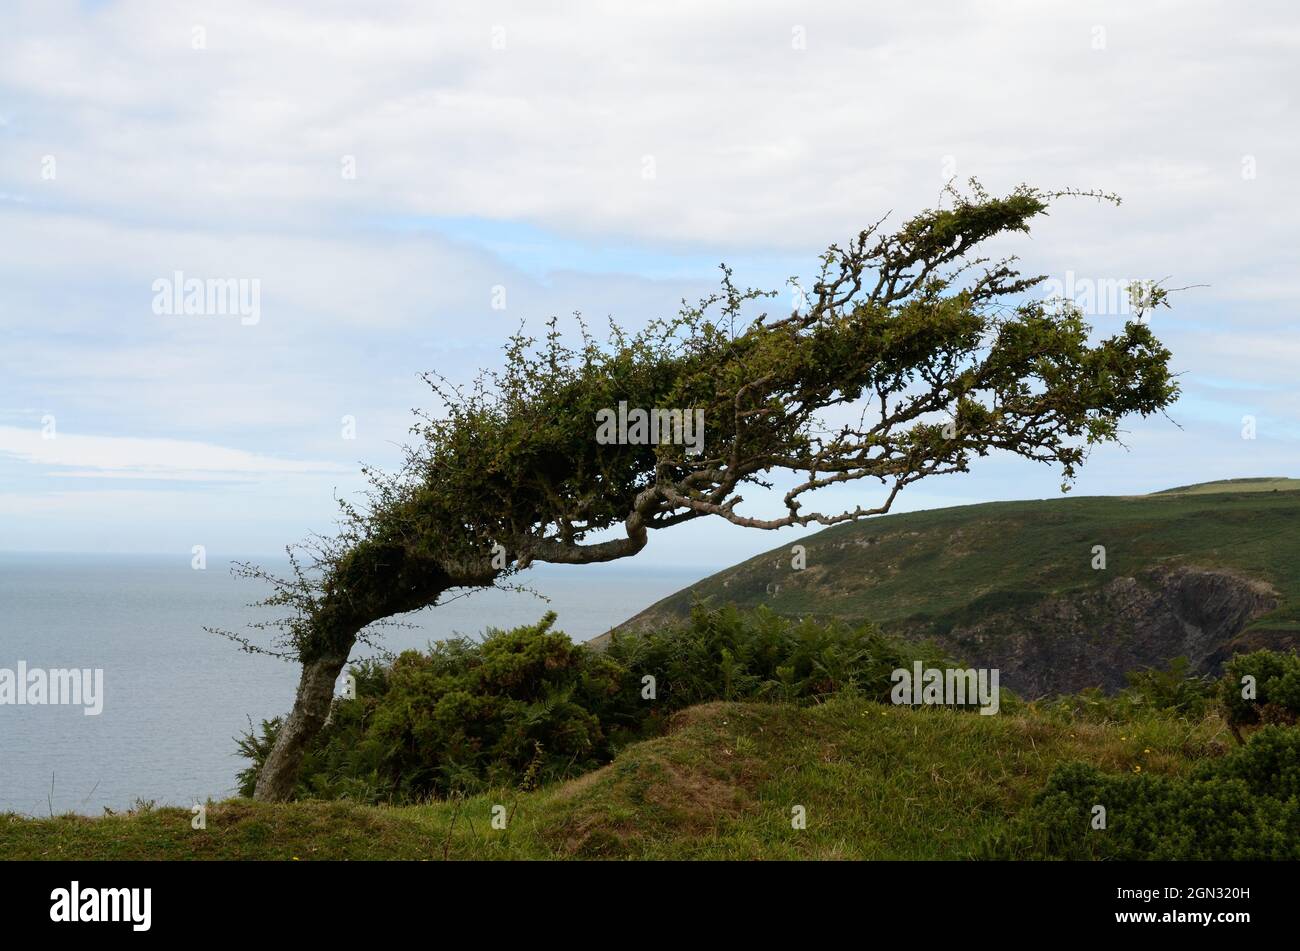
(376, 582)
(279, 774)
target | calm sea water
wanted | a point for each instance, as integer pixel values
(175, 696)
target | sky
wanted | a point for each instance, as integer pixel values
(392, 188)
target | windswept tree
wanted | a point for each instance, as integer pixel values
(909, 356)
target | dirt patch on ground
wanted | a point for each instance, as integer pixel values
(697, 798)
(661, 794)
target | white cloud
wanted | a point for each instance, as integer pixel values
(755, 143)
(226, 162)
(133, 458)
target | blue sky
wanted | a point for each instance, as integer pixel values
(603, 161)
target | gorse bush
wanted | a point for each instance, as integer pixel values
(1269, 764)
(1243, 805)
(528, 705)
(460, 716)
(1271, 695)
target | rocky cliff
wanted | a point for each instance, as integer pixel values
(1091, 638)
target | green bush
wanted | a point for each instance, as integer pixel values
(1243, 805)
(1277, 688)
(1269, 763)
(527, 705)
(459, 716)
(728, 654)
(1173, 690)
(1150, 692)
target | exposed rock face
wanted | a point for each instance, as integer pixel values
(1090, 638)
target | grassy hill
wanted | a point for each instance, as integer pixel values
(876, 782)
(1201, 570)
(1235, 485)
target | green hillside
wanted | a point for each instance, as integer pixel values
(1266, 484)
(1201, 570)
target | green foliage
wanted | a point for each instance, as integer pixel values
(459, 716)
(917, 332)
(1244, 805)
(729, 654)
(1276, 688)
(529, 706)
(1175, 690)
(1269, 763)
(879, 782)
(1151, 692)
(917, 326)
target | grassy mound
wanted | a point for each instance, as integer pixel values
(875, 782)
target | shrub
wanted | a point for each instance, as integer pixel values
(1243, 806)
(1277, 688)
(529, 705)
(1173, 690)
(459, 716)
(727, 654)
(1269, 763)
(1150, 692)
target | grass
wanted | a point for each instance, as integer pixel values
(966, 561)
(1266, 484)
(876, 782)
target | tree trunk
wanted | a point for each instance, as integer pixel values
(279, 774)
(375, 581)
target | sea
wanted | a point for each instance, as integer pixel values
(175, 697)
